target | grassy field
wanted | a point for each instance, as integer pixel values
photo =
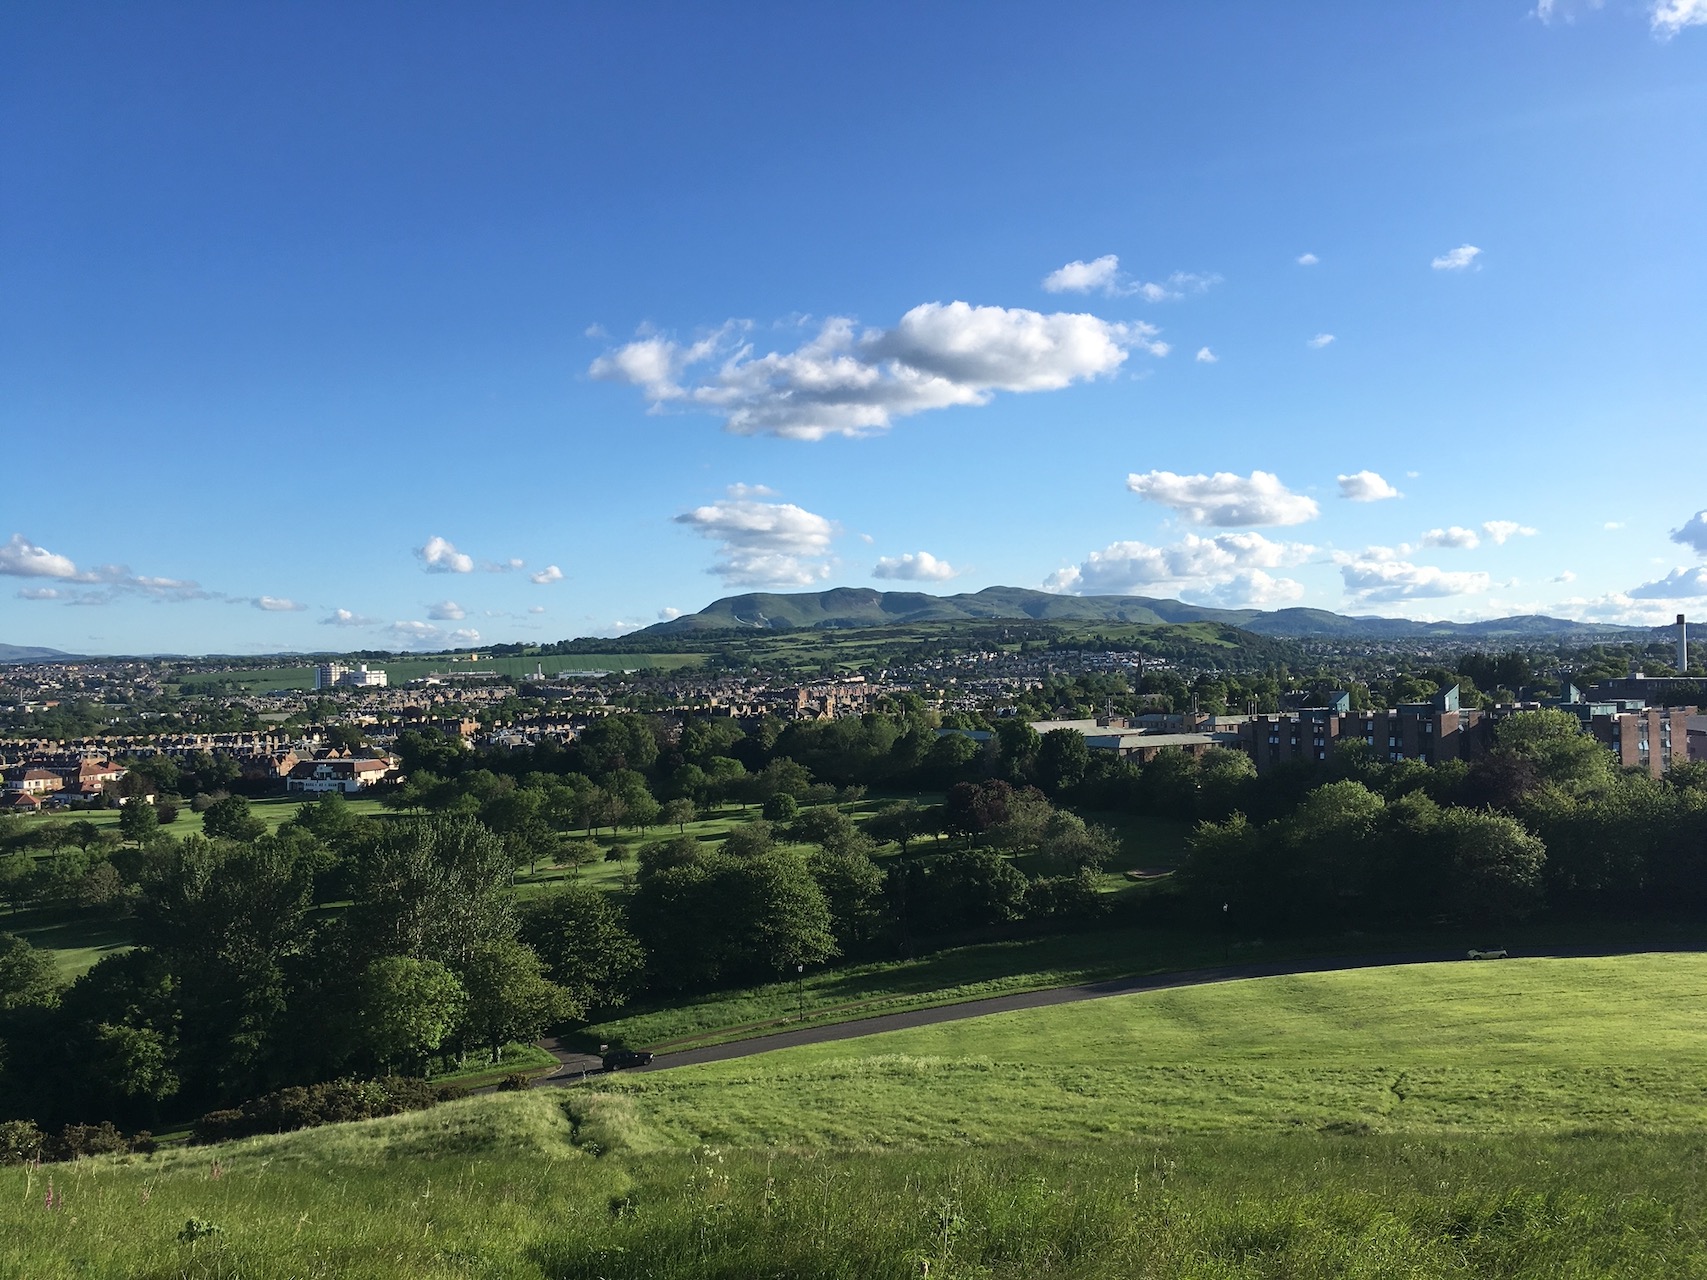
(1522, 1120)
(1540, 1046)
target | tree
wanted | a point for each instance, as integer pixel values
(576, 854)
(230, 819)
(972, 887)
(780, 808)
(509, 996)
(27, 976)
(137, 821)
(406, 1009)
(899, 823)
(585, 944)
(432, 888)
(1063, 757)
(852, 885)
(748, 840)
(679, 812)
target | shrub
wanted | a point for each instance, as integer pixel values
(20, 1141)
(513, 1083)
(87, 1140)
(331, 1102)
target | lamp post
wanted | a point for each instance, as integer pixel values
(799, 992)
(1225, 919)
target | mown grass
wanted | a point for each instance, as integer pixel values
(1515, 1046)
(1547, 1122)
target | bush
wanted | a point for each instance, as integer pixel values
(77, 1140)
(331, 1102)
(20, 1141)
(616, 853)
(515, 1082)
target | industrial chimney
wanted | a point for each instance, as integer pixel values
(1682, 646)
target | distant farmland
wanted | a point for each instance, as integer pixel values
(401, 670)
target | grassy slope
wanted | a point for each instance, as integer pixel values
(401, 670)
(506, 1186)
(1519, 1045)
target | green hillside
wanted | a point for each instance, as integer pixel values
(1525, 1120)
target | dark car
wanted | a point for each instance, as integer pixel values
(617, 1059)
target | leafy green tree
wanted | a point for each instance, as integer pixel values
(1063, 758)
(27, 976)
(749, 840)
(230, 819)
(679, 812)
(433, 888)
(781, 807)
(406, 1009)
(588, 951)
(899, 823)
(852, 885)
(137, 821)
(509, 996)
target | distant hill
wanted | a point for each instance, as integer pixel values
(30, 653)
(863, 607)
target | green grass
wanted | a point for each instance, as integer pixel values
(1527, 1120)
(272, 810)
(1539, 1046)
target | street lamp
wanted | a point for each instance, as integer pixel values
(1225, 907)
(799, 992)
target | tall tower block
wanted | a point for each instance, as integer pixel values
(1682, 646)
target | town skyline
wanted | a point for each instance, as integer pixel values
(556, 323)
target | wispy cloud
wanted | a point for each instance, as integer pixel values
(1454, 536)
(21, 558)
(1319, 341)
(446, 611)
(1225, 500)
(1693, 533)
(1366, 486)
(1679, 584)
(1502, 531)
(277, 604)
(1103, 275)
(1375, 579)
(1459, 259)
(551, 573)
(348, 618)
(1206, 356)
(1308, 259)
(914, 566)
(1668, 17)
(764, 544)
(1221, 564)
(441, 556)
(850, 381)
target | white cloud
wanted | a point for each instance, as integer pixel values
(21, 558)
(1206, 356)
(1366, 486)
(1454, 536)
(441, 557)
(1319, 341)
(1679, 584)
(1612, 525)
(1566, 575)
(1693, 534)
(536, 608)
(764, 544)
(920, 566)
(1668, 17)
(446, 611)
(278, 604)
(415, 632)
(739, 490)
(39, 593)
(1308, 259)
(1103, 275)
(1503, 530)
(464, 636)
(551, 573)
(1563, 10)
(1083, 277)
(1225, 500)
(668, 612)
(1376, 579)
(1206, 564)
(346, 618)
(1250, 589)
(853, 382)
(1458, 259)
(502, 566)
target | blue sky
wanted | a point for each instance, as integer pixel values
(412, 325)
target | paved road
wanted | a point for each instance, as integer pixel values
(576, 1066)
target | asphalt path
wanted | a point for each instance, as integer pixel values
(574, 1067)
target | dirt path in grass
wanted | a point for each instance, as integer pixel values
(574, 1067)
